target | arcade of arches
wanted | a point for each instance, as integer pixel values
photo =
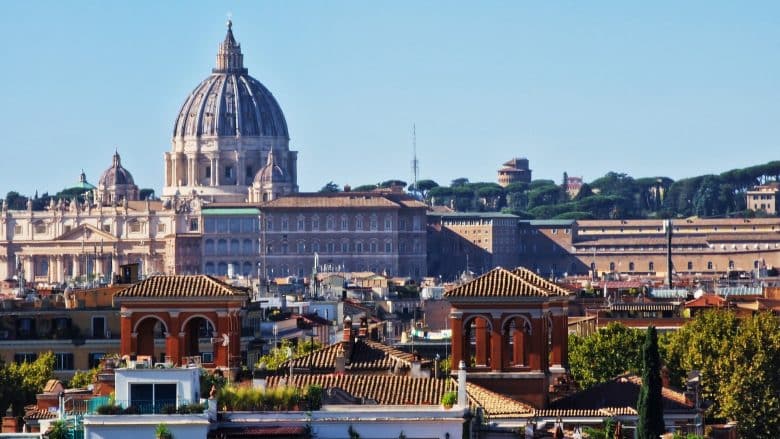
(175, 317)
(511, 331)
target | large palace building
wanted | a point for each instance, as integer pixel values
(230, 204)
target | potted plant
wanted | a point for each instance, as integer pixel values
(162, 432)
(449, 399)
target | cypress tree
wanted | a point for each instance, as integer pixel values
(650, 404)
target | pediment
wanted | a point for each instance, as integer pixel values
(86, 233)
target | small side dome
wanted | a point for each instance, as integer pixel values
(116, 174)
(271, 172)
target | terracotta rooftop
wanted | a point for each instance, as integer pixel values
(495, 405)
(706, 301)
(345, 200)
(500, 282)
(180, 286)
(384, 389)
(366, 356)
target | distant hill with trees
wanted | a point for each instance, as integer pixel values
(614, 195)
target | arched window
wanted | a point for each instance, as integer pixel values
(630, 266)
(373, 223)
(248, 247)
(329, 225)
(611, 266)
(650, 266)
(690, 265)
(246, 269)
(210, 269)
(359, 223)
(235, 248)
(222, 269)
(709, 265)
(208, 247)
(222, 247)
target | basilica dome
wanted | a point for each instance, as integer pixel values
(230, 102)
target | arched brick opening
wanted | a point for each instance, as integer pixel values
(195, 328)
(516, 331)
(149, 329)
(478, 331)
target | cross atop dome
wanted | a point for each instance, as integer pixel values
(229, 57)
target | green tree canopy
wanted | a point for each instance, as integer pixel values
(599, 357)
(329, 188)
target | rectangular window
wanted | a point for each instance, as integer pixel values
(25, 357)
(160, 228)
(94, 359)
(388, 247)
(63, 361)
(208, 172)
(40, 228)
(18, 229)
(228, 172)
(98, 327)
(194, 225)
(135, 227)
(207, 357)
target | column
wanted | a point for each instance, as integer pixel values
(456, 323)
(114, 264)
(29, 268)
(535, 346)
(496, 345)
(213, 164)
(482, 342)
(59, 271)
(559, 331)
(76, 265)
(174, 171)
(217, 171)
(128, 338)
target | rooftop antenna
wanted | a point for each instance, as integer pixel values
(415, 162)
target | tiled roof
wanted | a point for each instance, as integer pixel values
(744, 237)
(253, 431)
(495, 405)
(39, 414)
(637, 240)
(367, 356)
(621, 392)
(337, 200)
(500, 282)
(705, 301)
(644, 307)
(586, 413)
(384, 389)
(180, 286)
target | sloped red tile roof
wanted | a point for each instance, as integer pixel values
(384, 389)
(180, 286)
(367, 356)
(500, 282)
(496, 405)
(706, 301)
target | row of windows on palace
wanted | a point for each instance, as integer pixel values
(690, 266)
(248, 269)
(302, 223)
(249, 247)
(40, 228)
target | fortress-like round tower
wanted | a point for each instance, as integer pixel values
(224, 133)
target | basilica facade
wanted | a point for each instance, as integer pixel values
(230, 168)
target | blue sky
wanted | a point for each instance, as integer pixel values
(648, 88)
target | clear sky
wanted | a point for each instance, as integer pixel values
(675, 88)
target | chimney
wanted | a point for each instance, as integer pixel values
(348, 339)
(10, 423)
(462, 399)
(363, 329)
(340, 363)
